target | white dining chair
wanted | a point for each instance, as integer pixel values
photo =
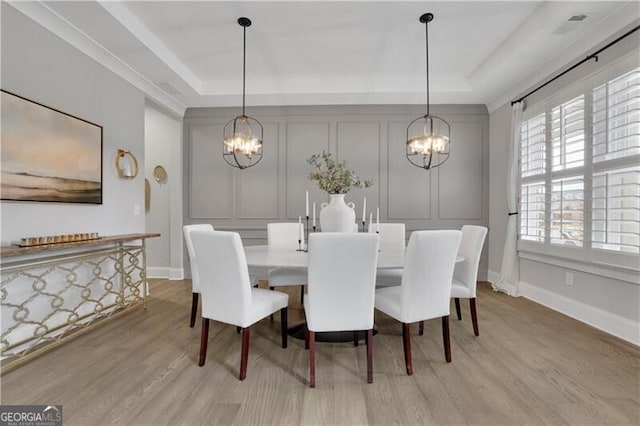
(392, 237)
(195, 281)
(465, 275)
(285, 236)
(340, 297)
(227, 294)
(195, 284)
(426, 286)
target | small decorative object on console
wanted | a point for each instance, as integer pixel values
(57, 239)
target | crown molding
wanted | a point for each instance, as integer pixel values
(606, 29)
(56, 24)
(146, 37)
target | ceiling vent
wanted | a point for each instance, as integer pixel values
(571, 23)
(577, 18)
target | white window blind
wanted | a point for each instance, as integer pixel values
(567, 134)
(580, 171)
(567, 211)
(532, 211)
(616, 118)
(616, 210)
(532, 146)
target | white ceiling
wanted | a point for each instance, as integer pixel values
(187, 54)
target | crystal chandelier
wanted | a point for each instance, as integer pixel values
(242, 138)
(428, 135)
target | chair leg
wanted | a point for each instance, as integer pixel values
(355, 338)
(244, 355)
(271, 316)
(421, 328)
(302, 294)
(306, 338)
(406, 341)
(204, 339)
(369, 340)
(312, 359)
(474, 316)
(445, 338)
(194, 309)
(457, 300)
(284, 326)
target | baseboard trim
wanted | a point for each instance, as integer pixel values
(165, 272)
(157, 272)
(176, 274)
(608, 322)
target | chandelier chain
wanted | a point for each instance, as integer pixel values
(426, 32)
(244, 66)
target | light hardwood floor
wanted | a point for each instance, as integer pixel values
(530, 365)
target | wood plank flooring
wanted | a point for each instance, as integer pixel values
(530, 365)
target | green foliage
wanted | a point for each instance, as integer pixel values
(334, 177)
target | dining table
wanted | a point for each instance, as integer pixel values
(276, 257)
(265, 256)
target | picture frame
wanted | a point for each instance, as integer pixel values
(47, 154)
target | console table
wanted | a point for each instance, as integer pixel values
(49, 291)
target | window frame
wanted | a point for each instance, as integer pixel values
(612, 264)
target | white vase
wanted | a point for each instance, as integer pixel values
(337, 216)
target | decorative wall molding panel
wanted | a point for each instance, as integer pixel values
(370, 138)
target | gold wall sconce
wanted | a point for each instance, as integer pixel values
(160, 174)
(126, 164)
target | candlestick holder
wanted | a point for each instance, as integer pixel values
(306, 234)
(364, 229)
(299, 245)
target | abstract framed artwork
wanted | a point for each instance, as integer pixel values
(48, 155)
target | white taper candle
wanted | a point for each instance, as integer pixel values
(306, 199)
(364, 208)
(314, 215)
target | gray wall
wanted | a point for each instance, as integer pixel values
(607, 303)
(370, 138)
(163, 146)
(38, 65)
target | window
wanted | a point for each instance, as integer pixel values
(532, 209)
(616, 118)
(580, 172)
(567, 211)
(616, 203)
(567, 133)
(532, 146)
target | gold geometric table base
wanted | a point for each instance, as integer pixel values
(47, 299)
